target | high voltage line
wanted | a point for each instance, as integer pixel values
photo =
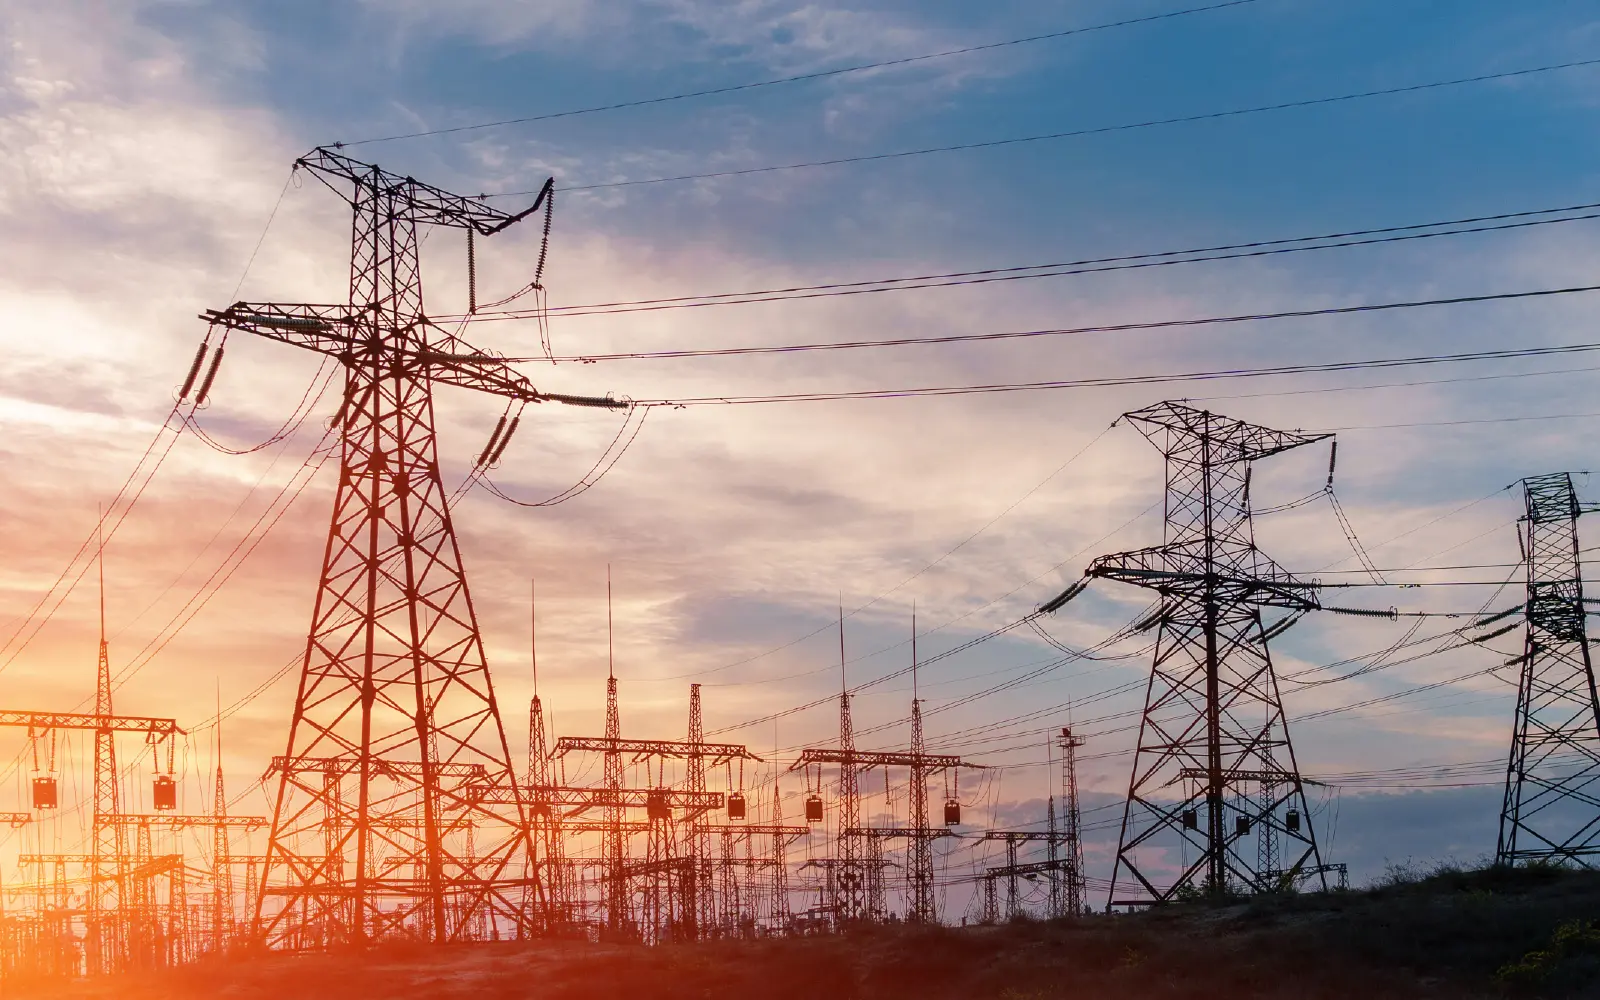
(1153, 379)
(803, 77)
(1026, 272)
(1166, 324)
(1074, 133)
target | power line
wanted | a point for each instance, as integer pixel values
(1089, 383)
(1075, 133)
(1462, 423)
(1165, 324)
(1409, 383)
(1026, 272)
(803, 77)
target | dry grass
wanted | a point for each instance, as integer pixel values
(1445, 934)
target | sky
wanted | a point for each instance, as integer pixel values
(146, 177)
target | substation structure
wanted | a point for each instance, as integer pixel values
(130, 896)
(1062, 866)
(853, 886)
(674, 888)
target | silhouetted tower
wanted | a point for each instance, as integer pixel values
(614, 844)
(1552, 802)
(544, 814)
(546, 818)
(698, 876)
(850, 879)
(728, 884)
(780, 862)
(1213, 728)
(920, 869)
(221, 855)
(394, 691)
(109, 904)
(1073, 898)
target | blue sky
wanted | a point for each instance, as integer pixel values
(147, 147)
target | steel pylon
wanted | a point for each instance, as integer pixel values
(385, 823)
(1551, 810)
(1213, 733)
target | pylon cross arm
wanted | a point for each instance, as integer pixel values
(339, 331)
(41, 721)
(1269, 585)
(424, 203)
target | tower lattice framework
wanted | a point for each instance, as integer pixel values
(1213, 731)
(396, 733)
(1551, 810)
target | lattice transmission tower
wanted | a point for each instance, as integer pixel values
(1551, 810)
(396, 717)
(1213, 732)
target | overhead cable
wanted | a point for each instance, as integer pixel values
(801, 77)
(1092, 265)
(1166, 324)
(1076, 133)
(1108, 381)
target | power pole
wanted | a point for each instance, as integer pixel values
(547, 824)
(552, 875)
(780, 861)
(394, 672)
(703, 903)
(221, 866)
(1073, 901)
(108, 918)
(1551, 811)
(920, 870)
(1212, 670)
(850, 903)
(613, 840)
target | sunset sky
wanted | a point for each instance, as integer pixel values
(148, 145)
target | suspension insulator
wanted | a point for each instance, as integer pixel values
(211, 376)
(544, 244)
(194, 370)
(1152, 620)
(472, 272)
(501, 447)
(494, 439)
(1333, 457)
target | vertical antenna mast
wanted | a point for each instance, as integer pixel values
(108, 898)
(850, 905)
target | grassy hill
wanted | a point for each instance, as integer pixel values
(1449, 934)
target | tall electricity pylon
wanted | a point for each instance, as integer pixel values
(396, 715)
(1213, 726)
(1552, 810)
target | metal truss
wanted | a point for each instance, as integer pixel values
(394, 689)
(1213, 730)
(1551, 810)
